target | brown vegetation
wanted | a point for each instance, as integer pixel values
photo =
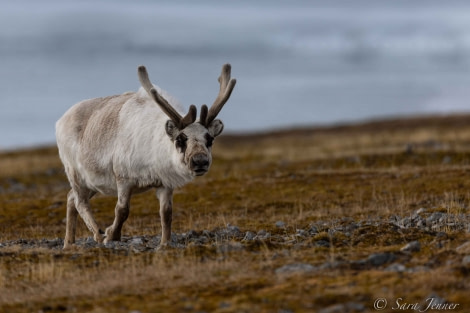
(349, 182)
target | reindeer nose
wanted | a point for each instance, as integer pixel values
(200, 163)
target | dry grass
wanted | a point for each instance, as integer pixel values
(303, 177)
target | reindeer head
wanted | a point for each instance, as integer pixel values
(191, 139)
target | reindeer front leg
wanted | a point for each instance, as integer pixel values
(113, 232)
(165, 195)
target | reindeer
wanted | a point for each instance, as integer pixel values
(125, 144)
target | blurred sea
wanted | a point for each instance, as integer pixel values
(297, 62)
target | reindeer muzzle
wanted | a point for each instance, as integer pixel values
(200, 164)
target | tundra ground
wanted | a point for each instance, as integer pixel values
(307, 220)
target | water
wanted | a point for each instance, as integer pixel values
(297, 62)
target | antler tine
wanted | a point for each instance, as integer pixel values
(181, 122)
(144, 78)
(190, 117)
(226, 88)
(203, 116)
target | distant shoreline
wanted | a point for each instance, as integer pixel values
(373, 124)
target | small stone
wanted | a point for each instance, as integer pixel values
(262, 234)
(421, 210)
(393, 219)
(406, 222)
(230, 231)
(332, 265)
(464, 248)
(295, 268)
(136, 241)
(421, 223)
(413, 246)
(419, 269)
(377, 259)
(443, 218)
(433, 218)
(322, 243)
(249, 236)
(191, 234)
(280, 224)
(301, 233)
(396, 267)
(313, 230)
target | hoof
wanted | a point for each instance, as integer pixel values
(99, 238)
(110, 235)
(67, 246)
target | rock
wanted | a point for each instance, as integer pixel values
(301, 233)
(413, 246)
(466, 260)
(378, 259)
(421, 210)
(313, 230)
(200, 240)
(230, 231)
(154, 242)
(421, 223)
(262, 235)
(111, 244)
(280, 224)
(406, 222)
(396, 267)
(249, 236)
(434, 217)
(90, 242)
(419, 269)
(208, 233)
(322, 243)
(464, 248)
(136, 241)
(333, 265)
(191, 234)
(295, 268)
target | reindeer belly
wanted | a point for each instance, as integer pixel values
(105, 184)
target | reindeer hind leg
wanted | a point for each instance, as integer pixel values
(71, 220)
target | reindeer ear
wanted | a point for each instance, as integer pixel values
(171, 129)
(215, 128)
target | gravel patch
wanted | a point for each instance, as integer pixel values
(320, 235)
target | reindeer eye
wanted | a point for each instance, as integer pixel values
(180, 142)
(209, 140)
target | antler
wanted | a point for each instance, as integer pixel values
(181, 122)
(226, 87)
